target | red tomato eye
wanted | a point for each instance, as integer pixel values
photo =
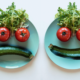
(63, 34)
(4, 34)
(22, 34)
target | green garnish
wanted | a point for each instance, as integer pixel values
(69, 18)
(12, 18)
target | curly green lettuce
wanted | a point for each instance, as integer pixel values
(12, 18)
(69, 18)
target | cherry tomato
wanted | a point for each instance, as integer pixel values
(78, 34)
(22, 34)
(64, 34)
(4, 34)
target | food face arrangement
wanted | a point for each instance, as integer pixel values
(69, 22)
(12, 24)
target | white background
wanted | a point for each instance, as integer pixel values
(41, 14)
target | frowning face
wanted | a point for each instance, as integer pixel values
(30, 46)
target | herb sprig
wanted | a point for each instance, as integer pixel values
(12, 18)
(69, 18)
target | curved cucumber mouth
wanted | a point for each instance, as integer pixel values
(66, 53)
(7, 49)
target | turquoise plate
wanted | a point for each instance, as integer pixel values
(51, 38)
(15, 61)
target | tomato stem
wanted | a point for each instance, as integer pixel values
(23, 34)
(2, 33)
(63, 33)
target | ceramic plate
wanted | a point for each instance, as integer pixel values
(51, 38)
(16, 61)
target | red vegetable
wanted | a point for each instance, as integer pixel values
(22, 34)
(78, 34)
(4, 34)
(64, 34)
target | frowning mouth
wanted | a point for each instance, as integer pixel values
(7, 49)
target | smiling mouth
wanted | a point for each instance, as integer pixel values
(7, 49)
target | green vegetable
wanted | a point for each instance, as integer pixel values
(69, 18)
(12, 18)
(9, 50)
(69, 53)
